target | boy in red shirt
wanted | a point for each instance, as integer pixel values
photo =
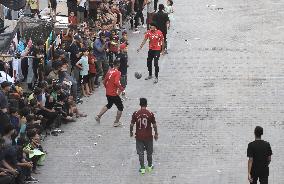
(92, 70)
(144, 119)
(113, 90)
(156, 47)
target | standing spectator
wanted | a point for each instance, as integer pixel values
(138, 8)
(123, 58)
(72, 6)
(144, 119)
(259, 153)
(113, 90)
(6, 86)
(100, 54)
(113, 47)
(75, 55)
(83, 65)
(34, 5)
(162, 21)
(156, 45)
(53, 6)
(81, 10)
(150, 11)
(155, 4)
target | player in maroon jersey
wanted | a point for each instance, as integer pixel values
(144, 119)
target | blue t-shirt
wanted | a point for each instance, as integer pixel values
(99, 52)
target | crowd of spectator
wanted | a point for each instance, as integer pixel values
(59, 74)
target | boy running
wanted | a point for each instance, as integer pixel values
(144, 119)
(113, 90)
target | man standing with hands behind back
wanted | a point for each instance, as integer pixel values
(259, 153)
(144, 119)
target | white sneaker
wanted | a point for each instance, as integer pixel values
(136, 31)
(98, 119)
(155, 80)
(117, 124)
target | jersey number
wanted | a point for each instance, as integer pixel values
(142, 121)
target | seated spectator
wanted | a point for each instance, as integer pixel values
(6, 176)
(14, 118)
(34, 150)
(73, 110)
(6, 86)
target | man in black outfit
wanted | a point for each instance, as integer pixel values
(138, 8)
(72, 6)
(162, 22)
(259, 153)
(155, 4)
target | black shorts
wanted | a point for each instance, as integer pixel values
(114, 100)
(84, 79)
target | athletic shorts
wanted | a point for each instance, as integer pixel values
(114, 100)
(141, 146)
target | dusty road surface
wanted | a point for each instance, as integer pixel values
(224, 75)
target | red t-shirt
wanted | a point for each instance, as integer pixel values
(112, 82)
(156, 39)
(92, 66)
(143, 120)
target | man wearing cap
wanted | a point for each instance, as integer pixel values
(3, 95)
(156, 47)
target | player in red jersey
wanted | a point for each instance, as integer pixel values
(113, 90)
(156, 47)
(144, 119)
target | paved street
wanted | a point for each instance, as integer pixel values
(223, 76)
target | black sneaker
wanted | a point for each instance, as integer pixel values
(79, 101)
(54, 133)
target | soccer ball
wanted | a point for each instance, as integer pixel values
(137, 75)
